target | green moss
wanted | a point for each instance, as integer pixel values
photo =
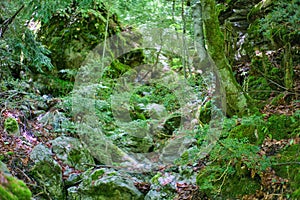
(282, 126)
(252, 128)
(6, 195)
(245, 185)
(14, 190)
(11, 126)
(48, 174)
(155, 178)
(97, 174)
(106, 184)
(286, 165)
(119, 68)
(296, 193)
(214, 182)
(19, 189)
(254, 134)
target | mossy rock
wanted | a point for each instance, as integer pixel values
(246, 185)
(283, 127)
(13, 189)
(104, 184)
(11, 126)
(255, 134)
(71, 152)
(70, 41)
(172, 123)
(116, 69)
(47, 172)
(136, 137)
(288, 167)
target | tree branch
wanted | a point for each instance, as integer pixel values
(7, 22)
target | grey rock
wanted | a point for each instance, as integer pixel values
(104, 184)
(47, 172)
(156, 111)
(71, 152)
(156, 195)
(4, 169)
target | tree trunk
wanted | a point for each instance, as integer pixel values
(211, 39)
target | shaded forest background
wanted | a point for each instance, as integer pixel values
(253, 44)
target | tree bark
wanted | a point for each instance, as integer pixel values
(211, 40)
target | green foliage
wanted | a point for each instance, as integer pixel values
(69, 29)
(282, 126)
(51, 84)
(232, 162)
(116, 69)
(158, 12)
(286, 165)
(154, 93)
(19, 49)
(44, 11)
(252, 128)
(280, 25)
(259, 88)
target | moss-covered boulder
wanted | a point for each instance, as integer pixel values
(71, 40)
(136, 137)
(286, 165)
(11, 126)
(47, 172)
(104, 184)
(11, 188)
(71, 152)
